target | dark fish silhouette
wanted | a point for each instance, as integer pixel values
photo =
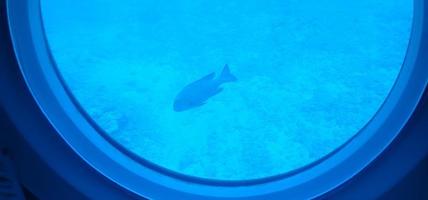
(195, 94)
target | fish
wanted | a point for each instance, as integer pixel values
(198, 92)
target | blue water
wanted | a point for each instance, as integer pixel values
(311, 74)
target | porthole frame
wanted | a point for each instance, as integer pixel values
(130, 176)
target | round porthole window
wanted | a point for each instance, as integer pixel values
(229, 90)
(219, 98)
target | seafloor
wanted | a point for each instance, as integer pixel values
(311, 74)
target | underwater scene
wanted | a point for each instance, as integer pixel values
(229, 89)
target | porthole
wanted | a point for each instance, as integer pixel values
(303, 79)
(277, 97)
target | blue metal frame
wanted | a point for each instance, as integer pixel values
(84, 163)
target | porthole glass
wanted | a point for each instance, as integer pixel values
(229, 90)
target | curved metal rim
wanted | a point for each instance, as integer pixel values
(46, 85)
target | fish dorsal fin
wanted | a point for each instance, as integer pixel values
(207, 77)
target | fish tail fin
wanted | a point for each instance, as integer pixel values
(226, 76)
